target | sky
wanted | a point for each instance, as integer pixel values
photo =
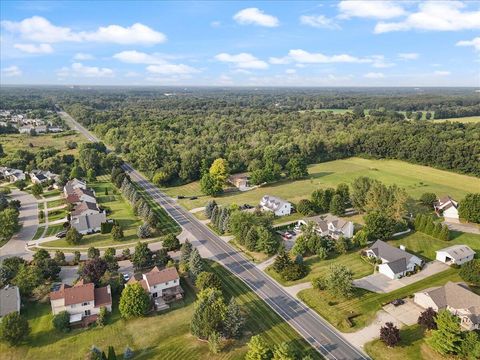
(241, 43)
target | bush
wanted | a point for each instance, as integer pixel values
(294, 272)
(171, 243)
(73, 237)
(61, 321)
(470, 272)
(102, 316)
(14, 328)
(208, 280)
(319, 283)
(106, 227)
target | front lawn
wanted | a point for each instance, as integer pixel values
(349, 315)
(55, 203)
(38, 233)
(51, 193)
(319, 267)
(411, 346)
(57, 214)
(256, 257)
(164, 336)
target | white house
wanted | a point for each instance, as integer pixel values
(395, 262)
(330, 225)
(162, 285)
(278, 206)
(81, 301)
(14, 174)
(89, 222)
(9, 300)
(456, 254)
(448, 208)
(40, 176)
(456, 298)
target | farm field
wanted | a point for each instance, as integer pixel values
(361, 308)
(416, 179)
(465, 120)
(160, 342)
(12, 142)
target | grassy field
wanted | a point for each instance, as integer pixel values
(425, 245)
(164, 336)
(411, 346)
(56, 214)
(121, 211)
(361, 308)
(416, 179)
(12, 142)
(465, 120)
(318, 267)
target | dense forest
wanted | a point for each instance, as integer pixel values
(179, 132)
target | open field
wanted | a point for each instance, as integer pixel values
(465, 120)
(425, 245)
(121, 211)
(411, 346)
(12, 142)
(319, 268)
(361, 308)
(149, 337)
(416, 179)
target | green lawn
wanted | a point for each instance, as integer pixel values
(55, 203)
(416, 179)
(411, 346)
(256, 257)
(425, 245)
(361, 309)
(51, 193)
(38, 233)
(164, 336)
(318, 267)
(52, 230)
(57, 214)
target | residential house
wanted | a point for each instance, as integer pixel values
(240, 181)
(72, 185)
(396, 262)
(278, 206)
(82, 301)
(456, 254)
(162, 285)
(456, 298)
(13, 174)
(85, 208)
(9, 300)
(88, 223)
(79, 195)
(40, 176)
(448, 208)
(26, 129)
(330, 225)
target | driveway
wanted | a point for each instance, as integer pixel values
(407, 313)
(28, 219)
(380, 283)
(68, 274)
(468, 228)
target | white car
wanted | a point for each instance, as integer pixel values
(126, 277)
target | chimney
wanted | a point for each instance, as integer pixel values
(108, 289)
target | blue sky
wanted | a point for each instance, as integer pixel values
(238, 43)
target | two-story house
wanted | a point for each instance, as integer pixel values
(330, 225)
(82, 301)
(278, 206)
(73, 184)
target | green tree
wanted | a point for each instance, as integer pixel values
(283, 352)
(470, 347)
(305, 207)
(209, 313)
(429, 229)
(195, 264)
(282, 261)
(117, 232)
(469, 208)
(267, 241)
(234, 320)
(344, 191)
(470, 272)
(61, 321)
(428, 199)
(444, 233)
(73, 237)
(437, 230)
(207, 280)
(448, 336)
(142, 257)
(258, 349)
(134, 301)
(337, 206)
(186, 250)
(210, 186)
(219, 170)
(171, 243)
(37, 189)
(296, 168)
(93, 252)
(91, 175)
(251, 239)
(378, 226)
(360, 188)
(339, 280)
(28, 278)
(9, 221)
(14, 328)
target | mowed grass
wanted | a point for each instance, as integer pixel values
(318, 268)
(51, 193)
(465, 120)
(13, 142)
(163, 336)
(121, 211)
(38, 233)
(416, 179)
(425, 245)
(55, 203)
(362, 307)
(57, 214)
(411, 346)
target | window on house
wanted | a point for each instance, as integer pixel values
(87, 312)
(85, 304)
(167, 282)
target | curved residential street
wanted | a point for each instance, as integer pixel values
(29, 221)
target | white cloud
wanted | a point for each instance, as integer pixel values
(242, 60)
(475, 42)
(290, 71)
(280, 61)
(255, 16)
(171, 69)
(131, 74)
(435, 16)
(80, 70)
(319, 21)
(157, 63)
(302, 56)
(408, 56)
(441, 73)
(379, 61)
(370, 9)
(11, 71)
(40, 29)
(374, 75)
(34, 49)
(83, 56)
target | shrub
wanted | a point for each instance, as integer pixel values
(294, 272)
(171, 243)
(14, 328)
(102, 316)
(208, 280)
(106, 227)
(134, 301)
(319, 283)
(73, 237)
(390, 334)
(61, 321)
(427, 319)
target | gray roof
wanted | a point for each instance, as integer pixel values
(398, 266)
(458, 252)
(388, 252)
(84, 206)
(9, 300)
(88, 222)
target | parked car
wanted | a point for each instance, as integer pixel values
(287, 235)
(397, 302)
(61, 234)
(126, 277)
(291, 232)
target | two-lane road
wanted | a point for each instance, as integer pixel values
(316, 331)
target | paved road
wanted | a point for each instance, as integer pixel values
(321, 335)
(29, 219)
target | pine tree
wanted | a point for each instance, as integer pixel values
(283, 352)
(448, 336)
(423, 223)
(258, 349)
(282, 261)
(234, 320)
(418, 221)
(251, 239)
(209, 208)
(445, 233)
(430, 227)
(215, 214)
(337, 205)
(437, 230)
(195, 264)
(186, 250)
